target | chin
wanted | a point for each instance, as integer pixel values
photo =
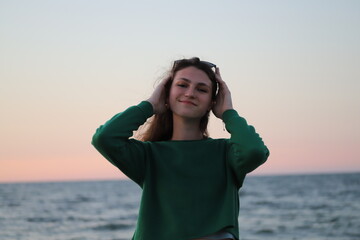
(189, 115)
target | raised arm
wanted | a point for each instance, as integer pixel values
(246, 148)
(113, 141)
(247, 151)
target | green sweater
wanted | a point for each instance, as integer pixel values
(189, 188)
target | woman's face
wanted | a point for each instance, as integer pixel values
(190, 93)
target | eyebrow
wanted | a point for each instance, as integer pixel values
(188, 80)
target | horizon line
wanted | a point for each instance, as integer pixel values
(127, 179)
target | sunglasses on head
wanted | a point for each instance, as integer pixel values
(209, 64)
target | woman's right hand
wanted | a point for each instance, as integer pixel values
(157, 99)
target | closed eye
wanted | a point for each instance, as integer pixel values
(182, 85)
(202, 90)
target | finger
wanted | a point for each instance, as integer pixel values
(217, 70)
(218, 75)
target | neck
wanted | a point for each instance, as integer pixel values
(186, 129)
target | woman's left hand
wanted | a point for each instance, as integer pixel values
(223, 100)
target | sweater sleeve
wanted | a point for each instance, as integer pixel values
(113, 141)
(246, 149)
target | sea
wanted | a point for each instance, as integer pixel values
(311, 207)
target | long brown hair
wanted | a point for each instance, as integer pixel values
(160, 127)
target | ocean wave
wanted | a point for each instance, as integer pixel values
(13, 204)
(265, 231)
(43, 219)
(78, 219)
(113, 227)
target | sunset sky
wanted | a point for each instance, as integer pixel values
(68, 66)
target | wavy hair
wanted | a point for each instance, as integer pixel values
(160, 127)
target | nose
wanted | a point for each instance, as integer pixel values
(190, 92)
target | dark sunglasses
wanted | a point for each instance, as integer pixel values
(209, 64)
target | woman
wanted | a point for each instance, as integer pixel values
(190, 182)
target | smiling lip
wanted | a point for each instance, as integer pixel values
(188, 102)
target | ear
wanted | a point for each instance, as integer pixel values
(213, 102)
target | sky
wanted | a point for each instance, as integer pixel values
(68, 66)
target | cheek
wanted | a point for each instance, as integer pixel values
(208, 100)
(172, 97)
(175, 92)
